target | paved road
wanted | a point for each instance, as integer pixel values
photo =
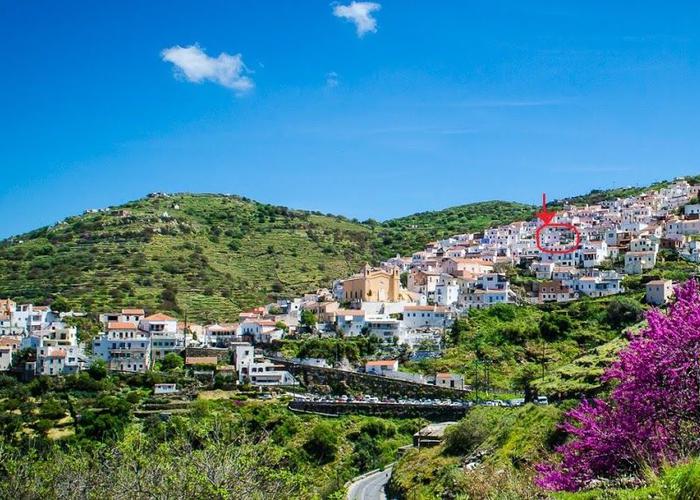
(370, 487)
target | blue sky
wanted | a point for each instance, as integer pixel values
(367, 112)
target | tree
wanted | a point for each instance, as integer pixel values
(322, 444)
(554, 326)
(623, 312)
(651, 417)
(60, 305)
(23, 355)
(525, 376)
(172, 361)
(308, 319)
(168, 298)
(463, 437)
(459, 328)
(98, 369)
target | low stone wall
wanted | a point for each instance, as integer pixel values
(348, 382)
(434, 413)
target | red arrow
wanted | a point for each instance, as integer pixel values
(545, 215)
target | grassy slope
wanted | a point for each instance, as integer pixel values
(219, 253)
(515, 439)
(679, 482)
(509, 336)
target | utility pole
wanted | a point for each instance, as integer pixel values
(543, 355)
(487, 375)
(184, 331)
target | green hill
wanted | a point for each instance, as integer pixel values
(214, 255)
(211, 255)
(411, 233)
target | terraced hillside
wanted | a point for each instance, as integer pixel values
(211, 255)
(201, 253)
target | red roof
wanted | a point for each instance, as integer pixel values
(159, 317)
(121, 325)
(381, 362)
(133, 312)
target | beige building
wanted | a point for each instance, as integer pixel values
(7, 307)
(374, 285)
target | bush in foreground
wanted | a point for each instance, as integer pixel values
(652, 416)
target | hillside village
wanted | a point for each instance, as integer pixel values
(406, 301)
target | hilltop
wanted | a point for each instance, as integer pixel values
(212, 255)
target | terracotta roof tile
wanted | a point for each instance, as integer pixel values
(121, 325)
(159, 317)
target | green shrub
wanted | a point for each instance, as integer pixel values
(322, 444)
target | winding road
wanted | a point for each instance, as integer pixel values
(370, 487)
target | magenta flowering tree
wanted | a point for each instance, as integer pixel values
(652, 416)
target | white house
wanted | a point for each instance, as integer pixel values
(451, 380)
(425, 317)
(479, 299)
(638, 262)
(164, 335)
(262, 331)
(598, 286)
(124, 347)
(659, 291)
(542, 270)
(59, 360)
(385, 328)
(8, 346)
(446, 291)
(350, 321)
(164, 389)
(256, 369)
(265, 372)
(220, 335)
(380, 366)
(692, 209)
(132, 315)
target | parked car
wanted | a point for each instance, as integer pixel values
(542, 400)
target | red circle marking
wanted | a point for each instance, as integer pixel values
(570, 227)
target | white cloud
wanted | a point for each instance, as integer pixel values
(196, 66)
(359, 13)
(332, 79)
